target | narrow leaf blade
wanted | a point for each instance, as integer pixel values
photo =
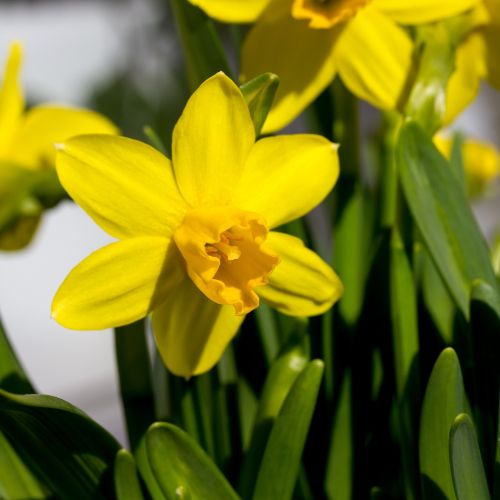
(466, 464)
(127, 485)
(281, 462)
(443, 215)
(444, 399)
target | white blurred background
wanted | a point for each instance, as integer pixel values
(69, 48)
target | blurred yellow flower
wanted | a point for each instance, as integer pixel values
(27, 143)
(307, 42)
(194, 243)
(481, 162)
(476, 59)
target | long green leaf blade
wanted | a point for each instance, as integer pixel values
(443, 215)
(406, 347)
(134, 370)
(444, 399)
(12, 375)
(16, 479)
(281, 462)
(466, 463)
(283, 373)
(127, 485)
(203, 50)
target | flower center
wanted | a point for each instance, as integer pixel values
(224, 254)
(324, 14)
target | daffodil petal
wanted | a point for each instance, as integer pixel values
(302, 58)
(463, 85)
(422, 11)
(118, 284)
(287, 176)
(42, 126)
(374, 58)
(126, 186)
(191, 331)
(492, 39)
(11, 98)
(302, 284)
(211, 142)
(241, 11)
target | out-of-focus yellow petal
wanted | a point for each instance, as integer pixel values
(299, 55)
(463, 84)
(302, 284)
(191, 331)
(232, 11)
(126, 186)
(211, 142)
(118, 284)
(422, 11)
(374, 58)
(287, 176)
(11, 98)
(491, 36)
(42, 126)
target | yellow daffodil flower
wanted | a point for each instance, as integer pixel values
(481, 162)
(307, 42)
(194, 242)
(27, 141)
(476, 59)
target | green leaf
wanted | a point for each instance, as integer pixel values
(406, 347)
(485, 327)
(268, 331)
(281, 462)
(444, 399)
(127, 485)
(259, 94)
(466, 464)
(339, 468)
(17, 481)
(134, 371)
(282, 375)
(182, 468)
(353, 229)
(438, 302)
(12, 375)
(442, 213)
(142, 460)
(69, 454)
(202, 48)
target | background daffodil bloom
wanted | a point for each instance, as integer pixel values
(476, 59)
(27, 142)
(307, 42)
(194, 243)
